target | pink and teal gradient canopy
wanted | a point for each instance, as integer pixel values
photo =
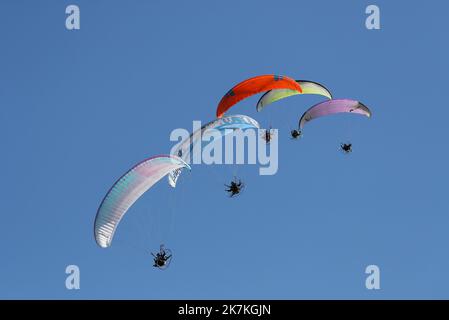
(127, 190)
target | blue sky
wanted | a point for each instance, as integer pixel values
(78, 108)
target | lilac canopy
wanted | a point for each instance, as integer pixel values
(334, 106)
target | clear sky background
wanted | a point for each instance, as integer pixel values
(79, 108)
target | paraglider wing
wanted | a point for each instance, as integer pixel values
(308, 87)
(253, 86)
(127, 190)
(224, 125)
(333, 107)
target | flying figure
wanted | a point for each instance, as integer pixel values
(346, 147)
(162, 258)
(267, 135)
(295, 134)
(235, 187)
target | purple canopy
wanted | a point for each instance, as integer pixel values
(334, 106)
